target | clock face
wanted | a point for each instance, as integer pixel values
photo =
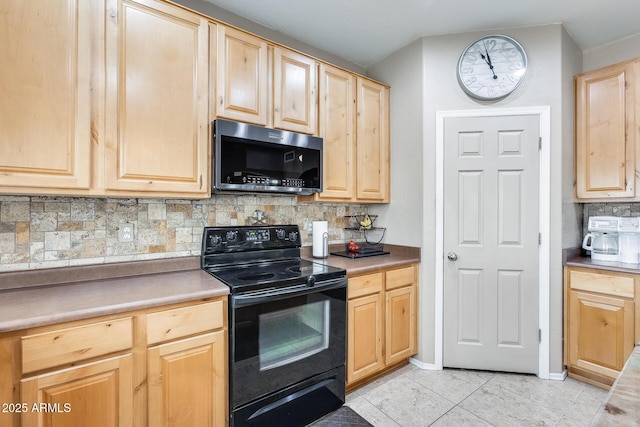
(492, 67)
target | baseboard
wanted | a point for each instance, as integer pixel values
(422, 365)
(558, 377)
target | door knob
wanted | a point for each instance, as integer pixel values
(452, 256)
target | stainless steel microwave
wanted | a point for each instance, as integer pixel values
(257, 159)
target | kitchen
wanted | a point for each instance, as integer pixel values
(51, 232)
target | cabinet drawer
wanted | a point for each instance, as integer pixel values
(605, 283)
(400, 277)
(65, 346)
(181, 322)
(364, 285)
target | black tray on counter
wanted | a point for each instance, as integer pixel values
(360, 254)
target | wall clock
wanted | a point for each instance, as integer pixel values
(492, 67)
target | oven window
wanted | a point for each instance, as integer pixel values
(292, 334)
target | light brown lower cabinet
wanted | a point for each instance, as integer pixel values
(382, 322)
(600, 323)
(97, 394)
(159, 367)
(186, 382)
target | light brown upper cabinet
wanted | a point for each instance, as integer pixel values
(372, 152)
(354, 123)
(157, 93)
(338, 129)
(242, 76)
(607, 114)
(45, 122)
(295, 91)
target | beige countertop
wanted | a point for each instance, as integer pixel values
(573, 258)
(42, 297)
(30, 306)
(622, 407)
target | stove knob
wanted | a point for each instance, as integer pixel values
(293, 236)
(280, 234)
(311, 280)
(231, 236)
(216, 240)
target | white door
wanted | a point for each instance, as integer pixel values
(491, 226)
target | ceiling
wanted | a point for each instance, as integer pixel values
(365, 31)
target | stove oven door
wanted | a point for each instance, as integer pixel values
(282, 338)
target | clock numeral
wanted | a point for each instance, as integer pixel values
(466, 70)
(469, 80)
(491, 44)
(471, 58)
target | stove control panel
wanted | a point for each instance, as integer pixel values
(249, 238)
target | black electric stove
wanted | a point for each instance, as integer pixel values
(287, 325)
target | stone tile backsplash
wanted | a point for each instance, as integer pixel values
(44, 232)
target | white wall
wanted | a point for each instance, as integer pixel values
(571, 57)
(612, 53)
(545, 84)
(403, 217)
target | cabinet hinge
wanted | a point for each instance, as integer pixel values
(539, 238)
(539, 335)
(539, 143)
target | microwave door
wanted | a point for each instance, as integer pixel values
(246, 159)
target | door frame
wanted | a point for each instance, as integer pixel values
(544, 113)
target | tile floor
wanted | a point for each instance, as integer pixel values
(412, 397)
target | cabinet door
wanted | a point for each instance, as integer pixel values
(157, 99)
(600, 332)
(372, 141)
(97, 394)
(295, 92)
(45, 123)
(400, 325)
(364, 337)
(242, 76)
(337, 105)
(605, 133)
(188, 382)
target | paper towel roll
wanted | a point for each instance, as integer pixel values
(320, 239)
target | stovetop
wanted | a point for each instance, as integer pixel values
(251, 258)
(276, 273)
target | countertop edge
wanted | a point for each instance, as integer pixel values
(86, 295)
(621, 406)
(32, 307)
(11, 326)
(572, 258)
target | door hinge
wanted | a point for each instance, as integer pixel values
(539, 143)
(539, 335)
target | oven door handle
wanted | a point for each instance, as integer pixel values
(273, 294)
